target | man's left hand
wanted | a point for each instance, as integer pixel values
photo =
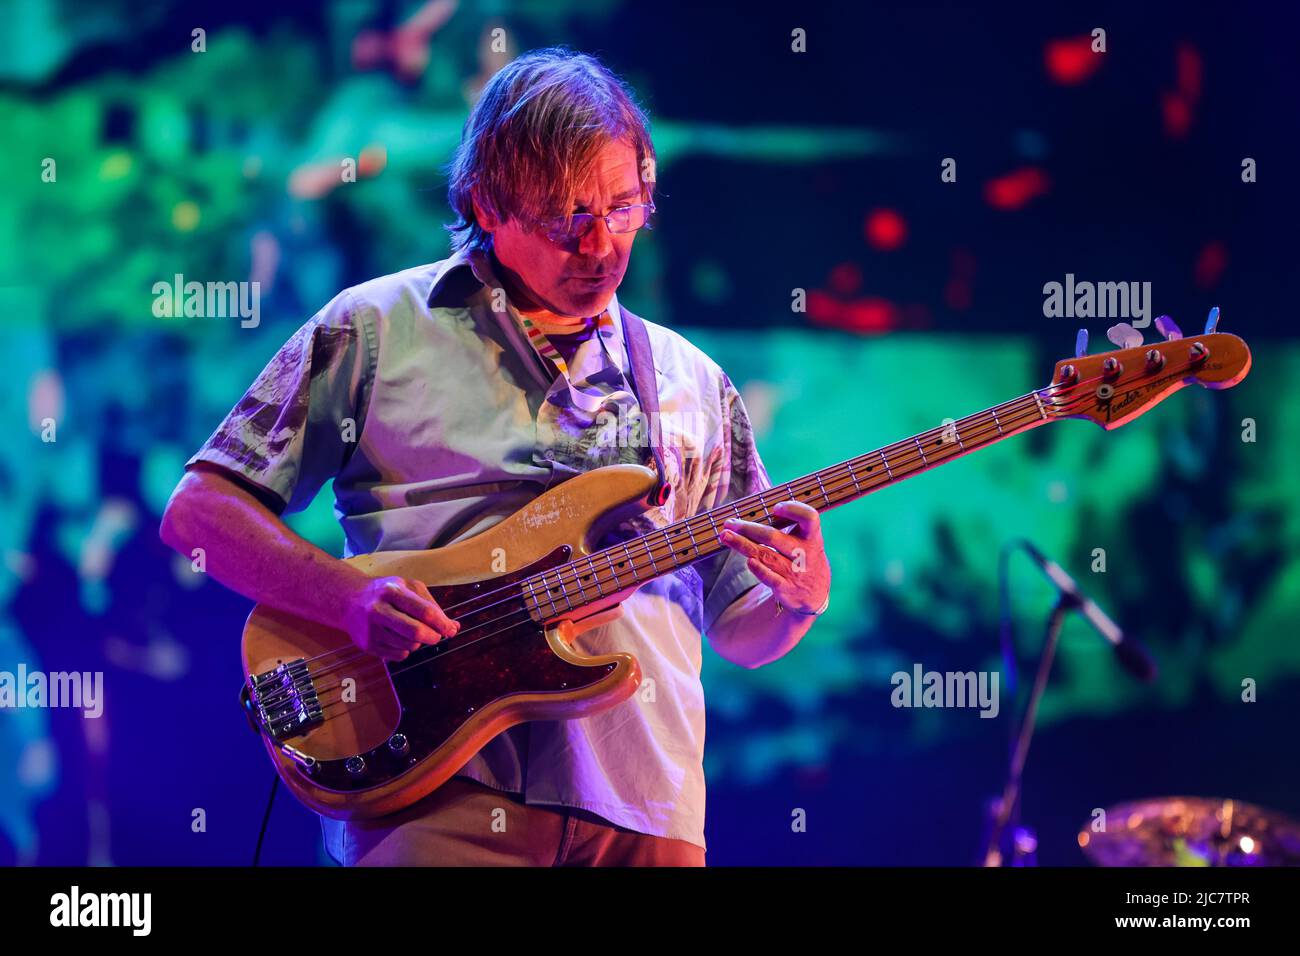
(792, 564)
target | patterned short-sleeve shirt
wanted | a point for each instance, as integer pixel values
(436, 419)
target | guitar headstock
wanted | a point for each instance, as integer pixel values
(1116, 387)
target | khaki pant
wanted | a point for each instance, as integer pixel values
(464, 823)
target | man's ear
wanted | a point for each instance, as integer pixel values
(483, 215)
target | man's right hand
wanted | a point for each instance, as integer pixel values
(390, 617)
(250, 550)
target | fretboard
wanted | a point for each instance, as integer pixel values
(652, 555)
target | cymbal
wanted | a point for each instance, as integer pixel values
(1192, 831)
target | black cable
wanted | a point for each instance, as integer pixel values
(266, 818)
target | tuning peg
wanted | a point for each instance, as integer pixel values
(1124, 336)
(1168, 328)
(1212, 320)
(1081, 344)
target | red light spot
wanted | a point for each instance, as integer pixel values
(1189, 71)
(1177, 107)
(846, 279)
(869, 315)
(1017, 188)
(1071, 61)
(1210, 264)
(1177, 114)
(885, 229)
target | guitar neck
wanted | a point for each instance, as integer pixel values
(649, 556)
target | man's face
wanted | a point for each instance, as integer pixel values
(557, 276)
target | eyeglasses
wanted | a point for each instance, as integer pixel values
(620, 220)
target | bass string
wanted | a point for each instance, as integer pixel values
(570, 573)
(1015, 420)
(351, 654)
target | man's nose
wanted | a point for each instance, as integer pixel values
(597, 242)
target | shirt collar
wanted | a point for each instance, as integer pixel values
(457, 278)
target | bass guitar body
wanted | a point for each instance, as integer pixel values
(353, 736)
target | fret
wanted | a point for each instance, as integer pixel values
(609, 559)
(554, 608)
(577, 577)
(713, 525)
(627, 553)
(692, 537)
(924, 461)
(853, 476)
(885, 462)
(530, 602)
(735, 513)
(654, 565)
(957, 435)
(994, 412)
(818, 476)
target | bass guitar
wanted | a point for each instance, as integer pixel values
(354, 736)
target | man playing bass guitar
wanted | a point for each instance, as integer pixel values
(440, 400)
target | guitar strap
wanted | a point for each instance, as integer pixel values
(646, 387)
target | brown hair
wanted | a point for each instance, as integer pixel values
(533, 137)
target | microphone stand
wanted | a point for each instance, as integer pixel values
(1006, 812)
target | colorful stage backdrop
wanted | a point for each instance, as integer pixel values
(859, 212)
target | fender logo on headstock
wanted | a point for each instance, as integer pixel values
(1112, 407)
